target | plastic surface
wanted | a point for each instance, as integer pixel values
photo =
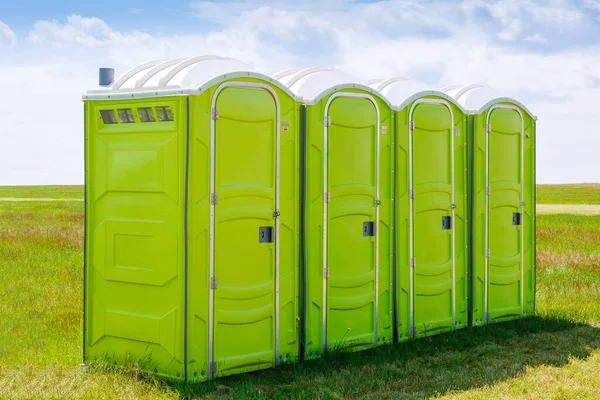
(507, 242)
(432, 246)
(313, 83)
(352, 184)
(244, 318)
(350, 291)
(137, 227)
(134, 241)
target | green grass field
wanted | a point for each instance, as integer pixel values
(579, 193)
(45, 192)
(554, 355)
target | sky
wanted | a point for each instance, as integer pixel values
(544, 53)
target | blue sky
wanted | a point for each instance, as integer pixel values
(545, 53)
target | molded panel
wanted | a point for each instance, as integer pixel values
(351, 295)
(352, 180)
(244, 308)
(505, 168)
(244, 302)
(134, 243)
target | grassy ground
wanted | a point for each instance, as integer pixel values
(579, 193)
(47, 192)
(554, 355)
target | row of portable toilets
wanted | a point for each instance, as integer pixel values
(236, 221)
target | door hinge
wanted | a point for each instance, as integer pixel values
(488, 191)
(377, 202)
(212, 368)
(384, 130)
(327, 273)
(523, 204)
(413, 193)
(453, 206)
(214, 199)
(488, 128)
(214, 283)
(488, 253)
(276, 213)
(215, 114)
(327, 121)
(411, 125)
(413, 262)
(527, 134)
(327, 197)
(457, 132)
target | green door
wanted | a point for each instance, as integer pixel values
(351, 216)
(432, 213)
(245, 234)
(504, 216)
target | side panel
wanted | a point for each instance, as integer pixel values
(199, 228)
(314, 202)
(134, 236)
(351, 223)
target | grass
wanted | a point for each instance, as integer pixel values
(46, 192)
(553, 355)
(579, 193)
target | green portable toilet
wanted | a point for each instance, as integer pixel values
(348, 211)
(431, 208)
(192, 219)
(503, 203)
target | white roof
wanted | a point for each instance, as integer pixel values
(177, 76)
(401, 91)
(477, 97)
(312, 84)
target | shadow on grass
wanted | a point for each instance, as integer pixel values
(416, 369)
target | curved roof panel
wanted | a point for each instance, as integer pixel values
(312, 84)
(401, 91)
(398, 90)
(176, 76)
(477, 97)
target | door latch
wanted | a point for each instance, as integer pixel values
(265, 234)
(517, 219)
(369, 229)
(446, 223)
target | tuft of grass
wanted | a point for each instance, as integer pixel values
(553, 355)
(579, 193)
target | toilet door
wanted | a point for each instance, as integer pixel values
(244, 230)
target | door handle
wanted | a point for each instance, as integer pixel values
(517, 220)
(265, 234)
(369, 229)
(446, 223)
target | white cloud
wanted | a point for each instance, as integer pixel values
(536, 38)
(438, 42)
(7, 36)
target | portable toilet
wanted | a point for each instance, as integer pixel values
(503, 202)
(192, 219)
(431, 208)
(348, 211)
